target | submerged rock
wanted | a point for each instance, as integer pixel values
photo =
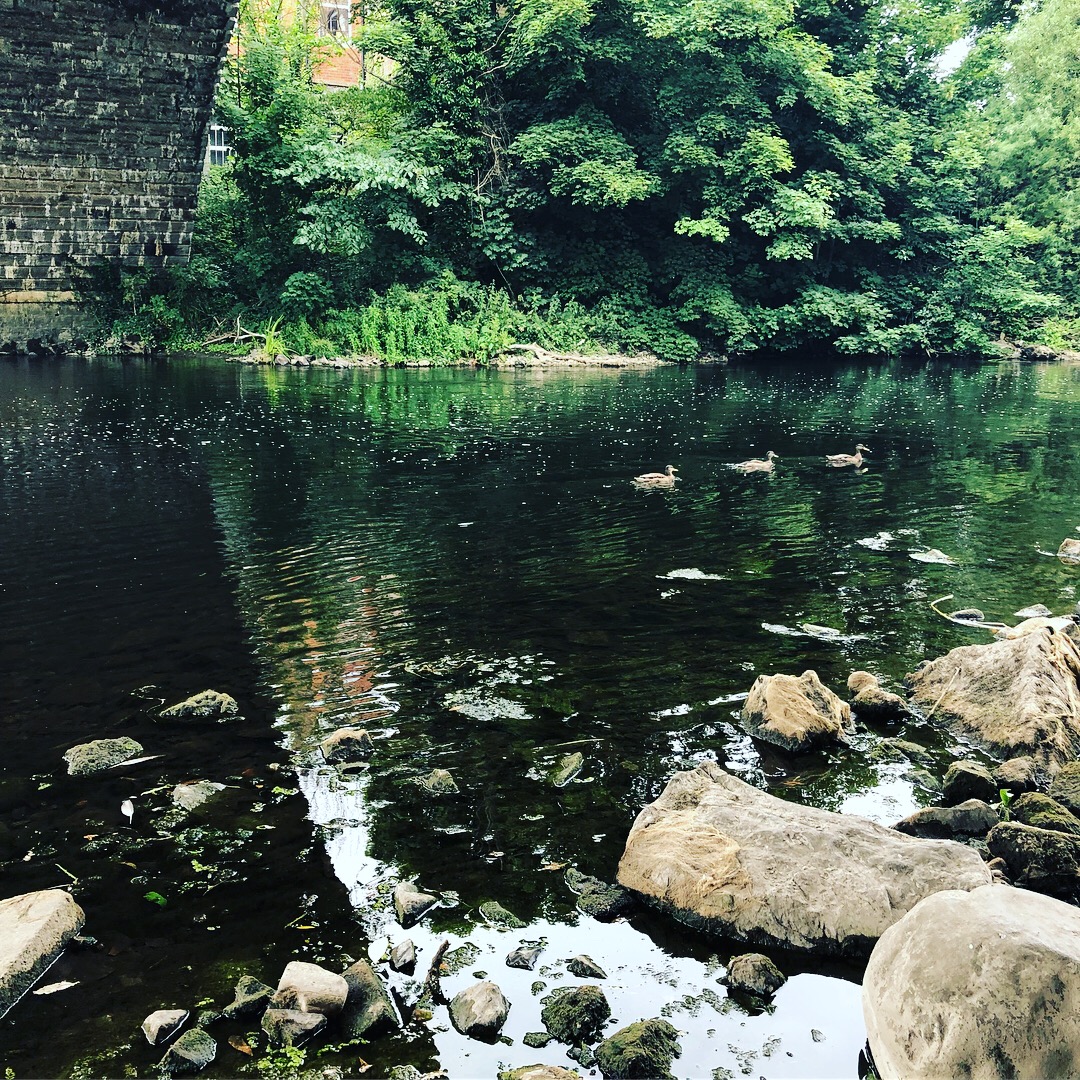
(480, 1011)
(439, 782)
(347, 745)
(410, 904)
(291, 1027)
(567, 768)
(368, 1011)
(576, 1014)
(1036, 611)
(34, 928)
(195, 795)
(970, 818)
(537, 1040)
(251, 998)
(795, 713)
(598, 898)
(871, 699)
(496, 915)
(1039, 859)
(209, 705)
(1018, 697)
(191, 1053)
(754, 973)
(645, 1049)
(310, 988)
(160, 1026)
(976, 984)
(966, 780)
(727, 857)
(92, 757)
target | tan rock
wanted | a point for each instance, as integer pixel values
(730, 858)
(1018, 697)
(795, 713)
(978, 984)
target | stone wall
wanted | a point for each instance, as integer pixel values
(104, 106)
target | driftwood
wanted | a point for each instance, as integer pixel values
(236, 336)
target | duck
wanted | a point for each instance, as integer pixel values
(765, 464)
(838, 461)
(665, 479)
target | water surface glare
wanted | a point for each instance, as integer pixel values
(457, 562)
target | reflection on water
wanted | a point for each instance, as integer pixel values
(458, 563)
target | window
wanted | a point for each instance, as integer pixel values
(334, 19)
(217, 151)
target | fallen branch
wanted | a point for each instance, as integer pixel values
(432, 987)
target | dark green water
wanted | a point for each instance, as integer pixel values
(457, 561)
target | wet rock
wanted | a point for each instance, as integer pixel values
(539, 1072)
(209, 706)
(368, 1011)
(911, 750)
(1018, 775)
(603, 901)
(645, 1049)
(968, 614)
(1036, 611)
(1018, 697)
(195, 795)
(795, 713)
(969, 780)
(524, 957)
(160, 1026)
(92, 757)
(1069, 551)
(34, 928)
(1039, 859)
(537, 1040)
(191, 1053)
(310, 988)
(251, 998)
(480, 1011)
(291, 1027)
(410, 904)
(584, 967)
(1066, 787)
(969, 818)
(403, 957)
(722, 855)
(567, 768)
(347, 745)
(576, 1014)
(1042, 812)
(754, 973)
(496, 915)
(978, 984)
(870, 698)
(440, 782)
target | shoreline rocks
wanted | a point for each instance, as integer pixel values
(795, 713)
(726, 857)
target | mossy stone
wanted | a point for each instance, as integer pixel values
(641, 1051)
(577, 1014)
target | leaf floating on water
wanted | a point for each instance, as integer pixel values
(54, 988)
(932, 556)
(238, 1042)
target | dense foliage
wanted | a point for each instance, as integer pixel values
(671, 175)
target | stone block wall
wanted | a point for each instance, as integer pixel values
(104, 107)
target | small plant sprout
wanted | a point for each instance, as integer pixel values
(1005, 795)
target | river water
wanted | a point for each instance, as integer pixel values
(456, 561)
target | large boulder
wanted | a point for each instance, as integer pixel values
(368, 1011)
(1018, 697)
(979, 984)
(310, 988)
(34, 928)
(795, 713)
(730, 858)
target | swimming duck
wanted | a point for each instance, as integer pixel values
(766, 464)
(838, 461)
(665, 479)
